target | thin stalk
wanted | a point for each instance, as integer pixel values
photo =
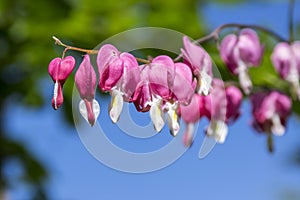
(291, 20)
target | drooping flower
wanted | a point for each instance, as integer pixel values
(85, 80)
(191, 114)
(119, 74)
(182, 91)
(153, 90)
(59, 70)
(286, 60)
(241, 52)
(270, 112)
(223, 106)
(200, 63)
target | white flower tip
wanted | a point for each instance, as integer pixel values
(218, 130)
(277, 128)
(188, 135)
(173, 121)
(156, 116)
(116, 106)
(245, 81)
(90, 115)
(55, 95)
(96, 109)
(204, 83)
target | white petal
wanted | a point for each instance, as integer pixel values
(188, 134)
(277, 128)
(96, 109)
(217, 129)
(83, 110)
(204, 83)
(172, 118)
(116, 105)
(156, 116)
(244, 78)
(55, 94)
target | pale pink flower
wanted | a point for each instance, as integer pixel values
(223, 106)
(270, 112)
(286, 60)
(200, 63)
(239, 52)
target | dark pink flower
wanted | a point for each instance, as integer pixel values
(270, 112)
(200, 63)
(85, 80)
(241, 52)
(59, 70)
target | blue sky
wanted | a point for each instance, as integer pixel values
(239, 169)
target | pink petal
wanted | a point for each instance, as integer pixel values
(161, 76)
(131, 75)
(227, 52)
(234, 99)
(282, 57)
(215, 102)
(191, 113)
(182, 87)
(85, 79)
(193, 54)
(59, 69)
(249, 46)
(110, 67)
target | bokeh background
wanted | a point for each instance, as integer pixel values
(41, 156)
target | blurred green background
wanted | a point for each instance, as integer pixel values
(26, 48)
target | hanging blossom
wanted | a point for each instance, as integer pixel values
(200, 63)
(182, 92)
(270, 112)
(286, 60)
(59, 70)
(223, 107)
(191, 114)
(119, 74)
(240, 53)
(85, 80)
(153, 90)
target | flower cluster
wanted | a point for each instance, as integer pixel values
(171, 90)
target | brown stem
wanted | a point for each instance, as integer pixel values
(88, 51)
(68, 47)
(291, 21)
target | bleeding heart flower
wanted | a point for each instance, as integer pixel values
(286, 60)
(200, 63)
(154, 89)
(182, 92)
(241, 52)
(270, 112)
(85, 80)
(119, 74)
(59, 70)
(190, 114)
(223, 106)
